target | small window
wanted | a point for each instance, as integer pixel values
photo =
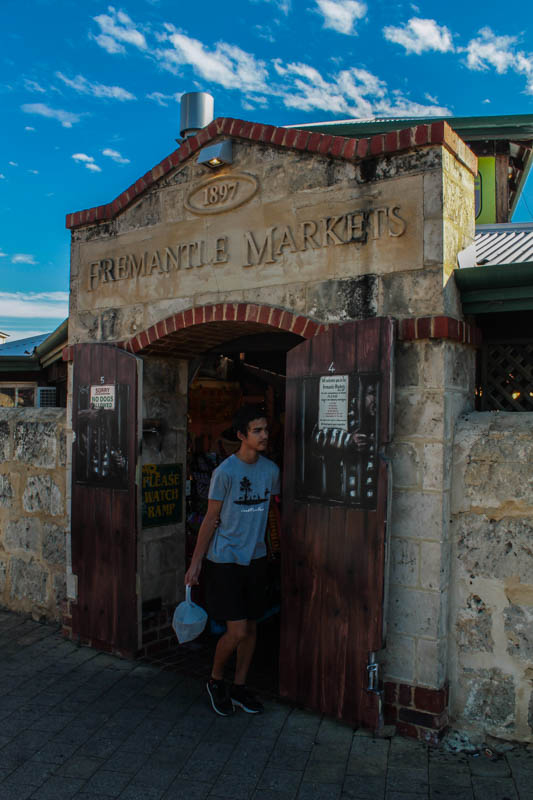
(17, 396)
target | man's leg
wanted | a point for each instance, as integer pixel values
(235, 637)
(245, 651)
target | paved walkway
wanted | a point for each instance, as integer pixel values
(78, 724)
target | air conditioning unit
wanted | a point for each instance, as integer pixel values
(46, 397)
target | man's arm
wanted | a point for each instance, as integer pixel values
(205, 534)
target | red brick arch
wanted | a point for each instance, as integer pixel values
(270, 316)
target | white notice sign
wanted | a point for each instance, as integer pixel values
(103, 397)
(333, 402)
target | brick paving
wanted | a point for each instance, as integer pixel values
(75, 723)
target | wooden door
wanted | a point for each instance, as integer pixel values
(338, 407)
(104, 495)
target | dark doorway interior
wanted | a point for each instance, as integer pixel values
(250, 369)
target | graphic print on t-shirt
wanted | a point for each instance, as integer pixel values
(247, 498)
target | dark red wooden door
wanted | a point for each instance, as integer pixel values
(104, 495)
(338, 405)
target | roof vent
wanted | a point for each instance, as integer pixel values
(197, 111)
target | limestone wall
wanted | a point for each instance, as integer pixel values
(33, 515)
(491, 619)
(434, 384)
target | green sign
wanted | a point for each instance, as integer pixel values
(485, 190)
(162, 489)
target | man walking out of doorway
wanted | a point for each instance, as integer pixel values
(232, 535)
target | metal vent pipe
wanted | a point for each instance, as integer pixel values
(197, 111)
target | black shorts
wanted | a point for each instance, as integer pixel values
(234, 591)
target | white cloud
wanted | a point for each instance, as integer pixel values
(29, 128)
(13, 164)
(420, 35)
(489, 50)
(33, 86)
(353, 92)
(115, 156)
(66, 118)
(23, 258)
(2, 176)
(82, 157)
(33, 171)
(163, 99)
(226, 65)
(341, 15)
(87, 161)
(117, 29)
(83, 86)
(2, 254)
(48, 305)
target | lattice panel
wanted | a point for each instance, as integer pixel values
(507, 376)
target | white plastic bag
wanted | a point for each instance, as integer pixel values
(189, 619)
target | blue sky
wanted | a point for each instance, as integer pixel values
(90, 97)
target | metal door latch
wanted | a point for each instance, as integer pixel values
(373, 673)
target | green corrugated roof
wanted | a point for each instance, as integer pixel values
(511, 126)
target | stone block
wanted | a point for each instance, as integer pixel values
(406, 466)
(519, 631)
(142, 214)
(59, 594)
(473, 627)
(28, 581)
(433, 242)
(343, 300)
(6, 491)
(435, 476)
(405, 557)
(420, 364)
(3, 575)
(419, 414)
(414, 612)
(431, 657)
(5, 439)
(42, 494)
(419, 515)
(456, 402)
(491, 549)
(433, 193)
(434, 565)
(490, 697)
(36, 443)
(23, 534)
(53, 546)
(399, 658)
(413, 293)
(459, 366)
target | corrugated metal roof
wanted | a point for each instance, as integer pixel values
(510, 243)
(22, 347)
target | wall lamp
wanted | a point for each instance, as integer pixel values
(216, 155)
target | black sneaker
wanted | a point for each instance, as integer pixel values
(218, 694)
(240, 696)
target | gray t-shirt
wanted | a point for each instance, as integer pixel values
(245, 490)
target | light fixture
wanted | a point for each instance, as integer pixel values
(216, 155)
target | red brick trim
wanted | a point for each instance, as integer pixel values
(416, 712)
(434, 133)
(225, 312)
(439, 328)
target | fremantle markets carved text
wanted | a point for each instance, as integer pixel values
(253, 248)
